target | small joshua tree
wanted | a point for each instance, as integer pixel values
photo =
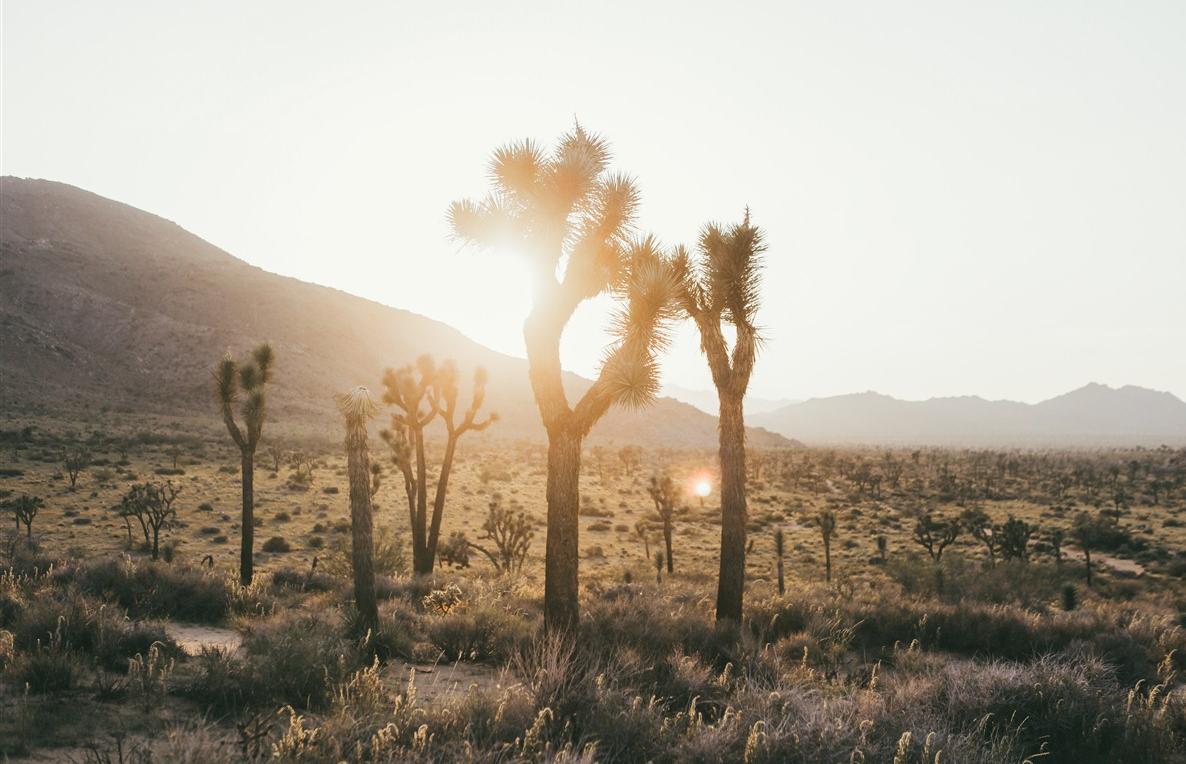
(825, 520)
(779, 552)
(663, 493)
(24, 509)
(631, 458)
(979, 524)
(643, 532)
(511, 534)
(935, 534)
(658, 567)
(1090, 532)
(882, 548)
(251, 379)
(357, 408)
(75, 459)
(421, 393)
(719, 288)
(152, 506)
(1015, 539)
(1055, 539)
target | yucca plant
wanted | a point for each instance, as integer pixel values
(718, 288)
(421, 393)
(249, 379)
(357, 409)
(663, 492)
(572, 219)
(825, 521)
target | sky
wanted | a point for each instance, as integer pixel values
(960, 198)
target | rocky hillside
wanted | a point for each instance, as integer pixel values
(102, 304)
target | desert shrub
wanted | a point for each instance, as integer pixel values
(83, 625)
(276, 544)
(293, 659)
(153, 590)
(479, 631)
(289, 578)
(390, 555)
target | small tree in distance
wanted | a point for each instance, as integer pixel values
(75, 459)
(422, 393)
(663, 492)
(24, 509)
(250, 379)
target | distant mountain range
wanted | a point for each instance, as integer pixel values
(1093, 415)
(706, 400)
(104, 305)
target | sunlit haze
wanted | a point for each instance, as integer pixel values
(959, 198)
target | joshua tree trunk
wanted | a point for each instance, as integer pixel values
(357, 408)
(828, 560)
(247, 527)
(438, 501)
(1087, 560)
(156, 543)
(731, 587)
(667, 540)
(561, 609)
(782, 587)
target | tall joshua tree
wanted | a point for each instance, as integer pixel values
(249, 379)
(572, 219)
(719, 287)
(421, 393)
(357, 409)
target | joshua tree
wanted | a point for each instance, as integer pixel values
(631, 458)
(152, 505)
(979, 524)
(641, 530)
(276, 455)
(720, 287)
(658, 567)
(357, 409)
(510, 533)
(1055, 539)
(779, 551)
(935, 534)
(882, 547)
(421, 393)
(663, 493)
(571, 219)
(24, 509)
(75, 459)
(1090, 533)
(826, 522)
(1015, 539)
(251, 378)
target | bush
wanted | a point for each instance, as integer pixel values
(479, 632)
(154, 590)
(276, 544)
(288, 659)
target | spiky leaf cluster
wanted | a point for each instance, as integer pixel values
(244, 383)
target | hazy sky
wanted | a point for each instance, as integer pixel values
(960, 198)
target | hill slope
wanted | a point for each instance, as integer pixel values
(1090, 416)
(104, 304)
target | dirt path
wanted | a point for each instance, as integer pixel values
(1118, 564)
(192, 637)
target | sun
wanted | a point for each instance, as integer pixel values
(703, 488)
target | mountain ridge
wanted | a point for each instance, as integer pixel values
(102, 303)
(1091, 415)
